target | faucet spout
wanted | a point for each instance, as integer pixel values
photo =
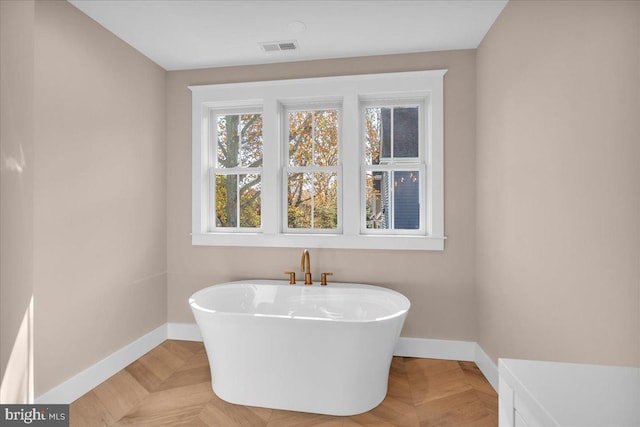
(305, 266)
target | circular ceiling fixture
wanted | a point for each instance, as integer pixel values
(296, 26)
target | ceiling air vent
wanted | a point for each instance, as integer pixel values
(287, 46)
(278, 46)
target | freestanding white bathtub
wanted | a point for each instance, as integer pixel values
(320, 349)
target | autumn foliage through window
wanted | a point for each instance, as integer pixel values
(312, 175)
(238, 178)
(352, 162)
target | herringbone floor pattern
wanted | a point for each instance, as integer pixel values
(171, 386)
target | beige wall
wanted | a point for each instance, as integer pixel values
(16, 199)
(543, 251)
(558, 258)
(439, 284)
(100, 246)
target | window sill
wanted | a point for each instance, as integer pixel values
(331, 241)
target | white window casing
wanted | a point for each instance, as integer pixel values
(348, 94)
(215, 169)
(284, 138)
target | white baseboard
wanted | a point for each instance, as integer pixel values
(487, 367)
(183, 332)
(450, 350)
(435, 349)
(91, 377)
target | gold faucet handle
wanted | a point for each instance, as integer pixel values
(292, 277)
(323, 278)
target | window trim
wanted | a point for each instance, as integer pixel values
(215, 169)
(284, 141)
(352, 91)
(397, 164)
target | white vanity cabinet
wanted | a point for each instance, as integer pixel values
(549, 394)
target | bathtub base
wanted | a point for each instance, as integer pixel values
(322, 408)
(306, 349)
(343, 371)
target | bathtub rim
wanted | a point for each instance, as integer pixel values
(399, 313)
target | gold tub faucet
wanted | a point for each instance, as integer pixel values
(305, 266)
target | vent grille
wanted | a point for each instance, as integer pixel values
(287, 46)
(279, 46)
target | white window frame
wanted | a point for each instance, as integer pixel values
(398, 164)
(306, 106)
(351, 93)
(215, 169)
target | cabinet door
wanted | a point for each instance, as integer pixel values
(505, 405)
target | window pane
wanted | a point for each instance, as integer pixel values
(313, 138)
(300, 191)
(312, 200)
(386, 124)
(300, 140)
(250, 154)
(373, 137)
(393, 200)
(378, 200)
(250, 193)
(325, 148)
(226, 200)
(228, 187)
(385, 134)
(325, 201)
(406, 200)
(239, 140)
(405, 132)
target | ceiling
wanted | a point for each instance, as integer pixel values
(189, 34)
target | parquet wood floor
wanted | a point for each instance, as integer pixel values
(171, 386)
